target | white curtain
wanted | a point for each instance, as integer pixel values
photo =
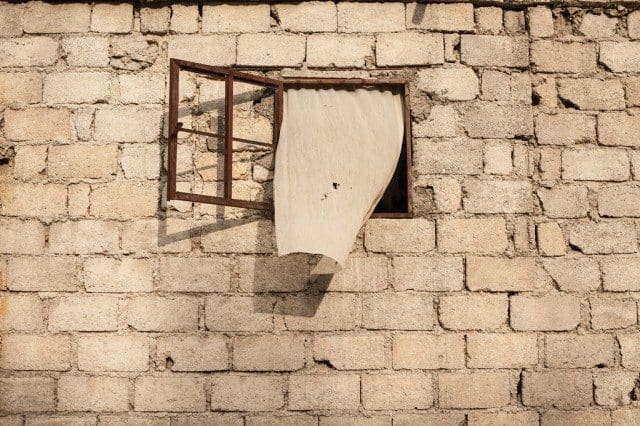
(336, 154)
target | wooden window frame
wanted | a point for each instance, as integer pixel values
(279, 85)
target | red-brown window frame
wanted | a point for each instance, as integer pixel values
(230, 75)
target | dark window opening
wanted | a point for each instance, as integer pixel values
(396, 201)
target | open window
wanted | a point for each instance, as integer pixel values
(221, 133)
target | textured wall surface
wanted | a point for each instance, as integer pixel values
(511, 298)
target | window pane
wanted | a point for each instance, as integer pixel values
(208, 105)
(253, 114)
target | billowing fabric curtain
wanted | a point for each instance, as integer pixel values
(336, 154)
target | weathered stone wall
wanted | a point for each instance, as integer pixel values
(511, 298)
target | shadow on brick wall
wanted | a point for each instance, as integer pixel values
(418, 14)
(277, 285)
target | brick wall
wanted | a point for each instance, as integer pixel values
(511, 298)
